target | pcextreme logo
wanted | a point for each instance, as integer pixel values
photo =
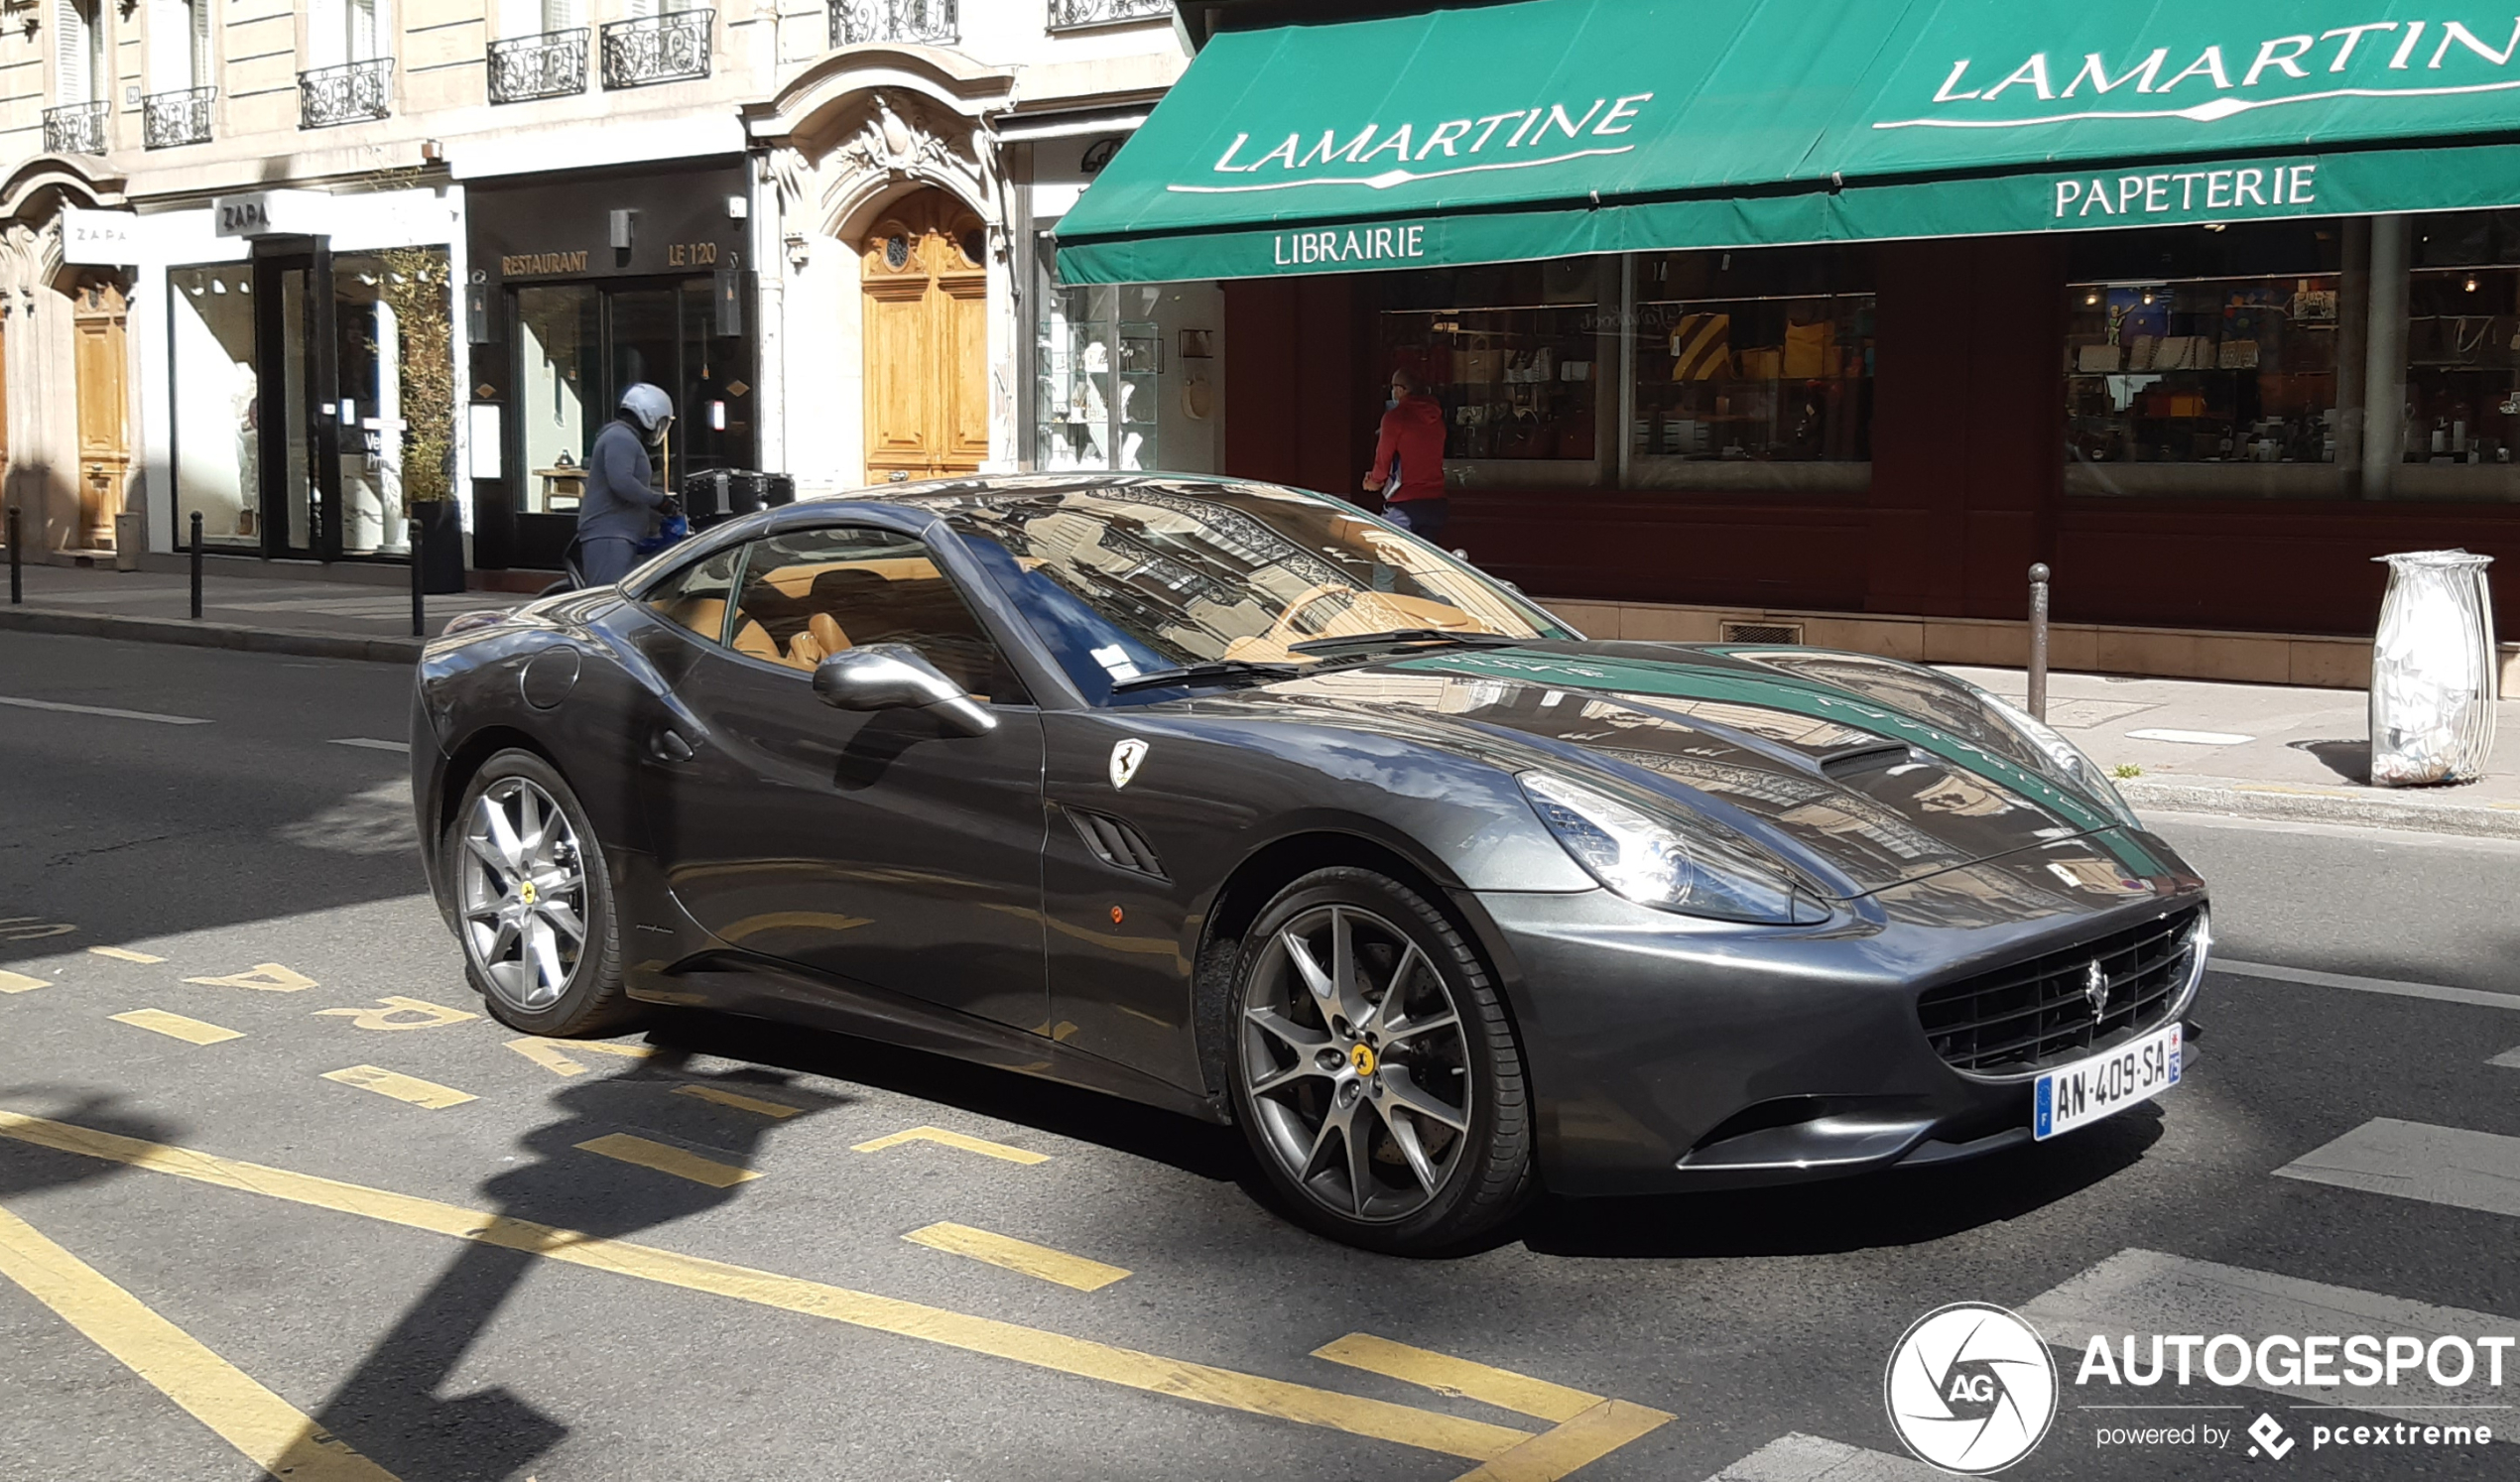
(1970, 1388)
(2205, 82)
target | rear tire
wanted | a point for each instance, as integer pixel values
(1357, 1011)
(532, 902)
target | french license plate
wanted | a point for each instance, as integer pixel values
(2071, 1096)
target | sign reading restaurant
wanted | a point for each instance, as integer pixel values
(2205, 82)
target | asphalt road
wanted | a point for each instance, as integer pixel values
(741, 1300)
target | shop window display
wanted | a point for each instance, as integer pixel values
(1769, 380)
(216, 404)
(2463, 384)
(1128, 377)
(2234, 379)
(1513, 353)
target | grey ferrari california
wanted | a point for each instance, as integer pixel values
(1236, 801)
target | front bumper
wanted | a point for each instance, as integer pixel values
(1666, 1053)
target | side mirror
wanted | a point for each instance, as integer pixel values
(895, 676)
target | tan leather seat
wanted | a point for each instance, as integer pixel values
(825, 631)
(753, 640)
(705, 616)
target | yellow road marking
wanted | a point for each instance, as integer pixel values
(401, 1087)
(29, 928)
(665, 1158)
(1564, 1447)
(268, 977)
(125, 955)
(400, 1014)
(272, 1434)
(1081, 1357)
(1019, 1256)
(968, 1144)
(552, 1055)
(17, 982)
(1447, 1374)
(190, 1030)
(738, 1100)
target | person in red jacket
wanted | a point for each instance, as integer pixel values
(1408, 466)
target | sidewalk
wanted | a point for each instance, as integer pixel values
(286, 615)
(2252, 750)
(2261, 751)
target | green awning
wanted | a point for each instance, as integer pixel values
(1546, 128)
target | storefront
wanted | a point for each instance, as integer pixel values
(1123, 376)
(1836, 322)
(582, 286)
(299, 368)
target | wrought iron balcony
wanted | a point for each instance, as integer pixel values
(168, 119)
(671, 48)
(1069, 15)
(930, 23)
(74, 129)
(360, 93)
(550, 65)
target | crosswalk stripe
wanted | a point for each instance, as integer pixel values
(2440, 993)
(2418, 1161)
(2144, 1292)
(1809, 1458)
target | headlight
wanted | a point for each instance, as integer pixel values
(1696, 871)
(2069, 763)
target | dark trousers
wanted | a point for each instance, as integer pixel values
(606, 558)
(1423, 518)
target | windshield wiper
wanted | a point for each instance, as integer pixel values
(1401, 637)
(1221, 671)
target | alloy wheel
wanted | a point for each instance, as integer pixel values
(1357, 1063)
(524, 893)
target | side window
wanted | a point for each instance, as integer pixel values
(813, 593)
(696, 596)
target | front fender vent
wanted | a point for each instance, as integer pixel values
(1115, 843)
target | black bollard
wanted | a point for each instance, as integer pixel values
(420, 619)
(196, 565)
(17, 582)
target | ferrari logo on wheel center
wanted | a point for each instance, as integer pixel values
(525, 891)
(1360, 1058)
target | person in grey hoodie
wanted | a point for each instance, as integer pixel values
(620, 505)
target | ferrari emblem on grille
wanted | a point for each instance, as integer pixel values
(2096, 988)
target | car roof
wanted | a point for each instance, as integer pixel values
(984, 490)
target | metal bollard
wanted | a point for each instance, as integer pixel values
(17, 582)
(2038, 640)
(419, 618)
(196, 565)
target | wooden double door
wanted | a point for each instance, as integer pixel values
(925, 283)
(99, 318)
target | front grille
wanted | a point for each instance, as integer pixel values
(2038, 1014)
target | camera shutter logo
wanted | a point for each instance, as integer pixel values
(1970, 1388)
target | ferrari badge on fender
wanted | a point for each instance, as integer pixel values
(1125, 756)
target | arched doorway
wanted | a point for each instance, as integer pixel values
(925, 281)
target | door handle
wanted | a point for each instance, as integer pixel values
(669, 746)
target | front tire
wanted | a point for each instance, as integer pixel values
(533, 902)
(1374, 1071)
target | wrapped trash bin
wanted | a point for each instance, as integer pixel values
(2433, 670)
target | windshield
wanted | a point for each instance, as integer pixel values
(1136, 579)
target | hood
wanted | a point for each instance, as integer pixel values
(1865, 772)
(1420, 410)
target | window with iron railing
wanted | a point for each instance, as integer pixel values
(932, 23)
(1070, 14)
(74, 129)
(668, 48)
(168, 119)
(355, 93)
(550, 65)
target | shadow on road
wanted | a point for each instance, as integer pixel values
(25, 1169)
(1842, 1214)
(390, 1407)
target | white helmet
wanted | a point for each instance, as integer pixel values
(649, 407)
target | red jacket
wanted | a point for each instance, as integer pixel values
(1414, 431)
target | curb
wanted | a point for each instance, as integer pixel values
(2430, 810)
(208, 635)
